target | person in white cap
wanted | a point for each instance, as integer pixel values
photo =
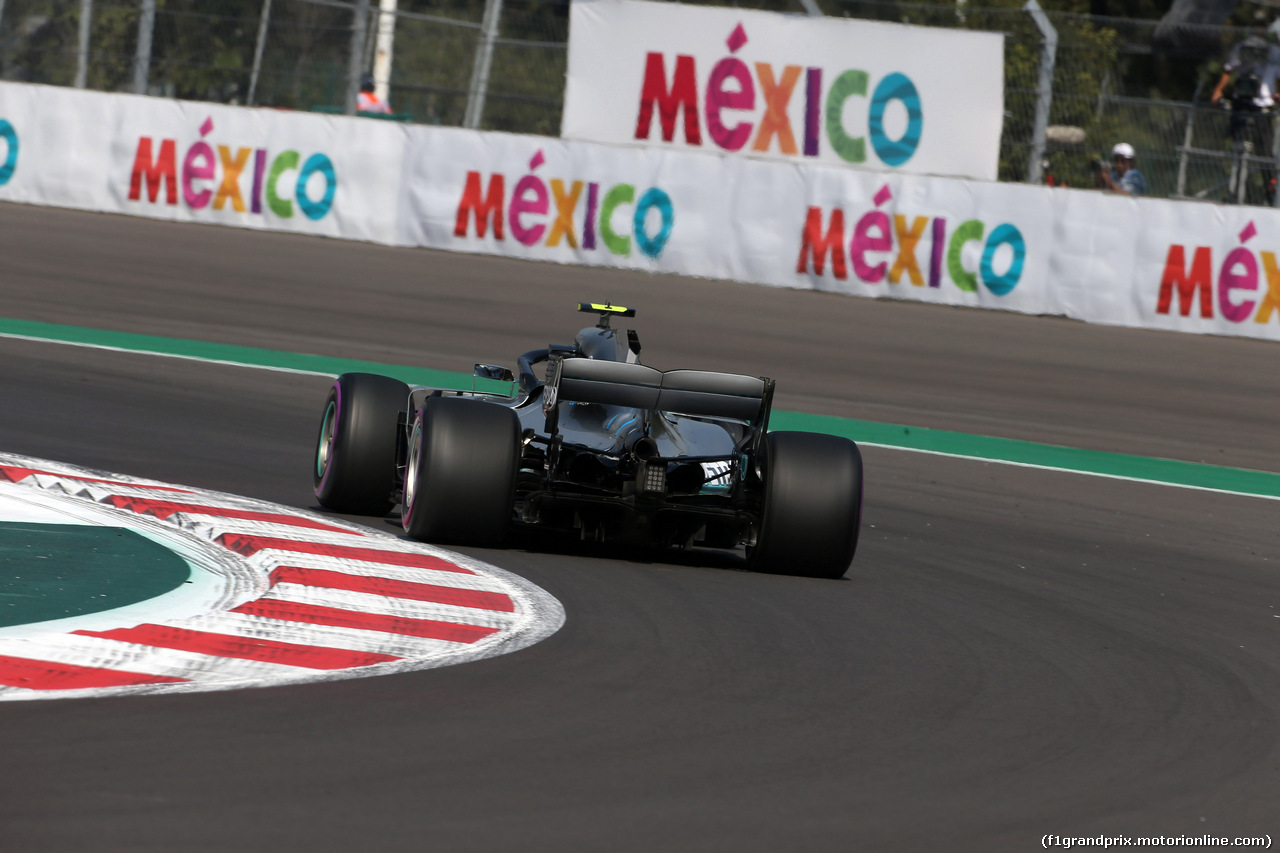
(1123, 177)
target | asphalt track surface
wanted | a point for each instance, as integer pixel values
(1014, 652)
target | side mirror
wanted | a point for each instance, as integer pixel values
(493, 371)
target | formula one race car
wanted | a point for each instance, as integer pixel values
(602, 445)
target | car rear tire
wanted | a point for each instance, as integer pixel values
(812, 505)
(460, 480)
(355, 461)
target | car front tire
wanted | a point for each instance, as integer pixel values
(355, 459)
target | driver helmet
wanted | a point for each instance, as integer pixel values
(366, 83)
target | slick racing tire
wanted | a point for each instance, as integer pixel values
(355, 462)
(812, 505)
(460, 483)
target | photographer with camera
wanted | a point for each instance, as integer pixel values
(1123, 178)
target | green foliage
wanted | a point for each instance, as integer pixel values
(203, 50)
(48, 54)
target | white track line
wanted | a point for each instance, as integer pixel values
(1143, 480)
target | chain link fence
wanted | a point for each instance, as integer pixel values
(1184, 147)
(207, 50)
(297, 54)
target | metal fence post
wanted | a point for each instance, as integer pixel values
(811, 8)
(264, 20)
(355, 62)
(1274, 153)
(484, 59)
(82, 44)
(1181, 189)
(142, 59)
(383, 52)
(370, 36)
(1044, 90)
(1, 12)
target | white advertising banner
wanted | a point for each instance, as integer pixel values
(952, 242)
(198, 162)
(546, 199)
(1102, 258)
(834, 91)
(1197, 268)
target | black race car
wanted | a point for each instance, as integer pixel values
(600, 445)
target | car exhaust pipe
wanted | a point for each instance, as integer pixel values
(651, 470)
(644, 448)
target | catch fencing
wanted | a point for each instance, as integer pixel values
(1098, 69)
(298, 54)
(1073, 83)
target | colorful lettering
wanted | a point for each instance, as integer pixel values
(484, 210)
(816, 246)
(1187, 282)
(259, 172)
(732, 84)
(226, 170)
(317, 164)
(1239, 272)
(936, 252)
(683, 94)
(589, 221)
(654, 199)
(849, 84)
(776, 97)
(967, 232)
(1271, 299)
(566, 204)
(895, 87)
(615, 197)
(812, 110)
(907, 240)
(198, 165)
(871, 234)
(528, 198)
(719, 98)
(876, 232)
(10, 163)
(651, 223)
(160, 171)
(1003, 235)
(284, 162)
(230, 186)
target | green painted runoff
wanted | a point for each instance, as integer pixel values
(51, 571)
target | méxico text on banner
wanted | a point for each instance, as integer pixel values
(199, 162)
(833, 91)
(1150, 263)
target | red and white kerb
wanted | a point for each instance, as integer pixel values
(299, 597)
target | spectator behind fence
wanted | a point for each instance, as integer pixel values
(1123, 177)
(368, 102)
(1255, 64)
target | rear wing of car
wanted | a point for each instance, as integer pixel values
(699, 393)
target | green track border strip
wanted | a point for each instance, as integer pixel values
(265, 359)
(1169, 472)
(1051, 457)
